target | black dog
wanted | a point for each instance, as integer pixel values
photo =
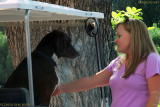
(44, 76)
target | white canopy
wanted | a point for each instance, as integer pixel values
(14, 10)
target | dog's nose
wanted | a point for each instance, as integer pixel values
(75, 54)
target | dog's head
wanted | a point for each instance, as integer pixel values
(59, 43)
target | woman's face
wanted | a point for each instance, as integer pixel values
(123, 40)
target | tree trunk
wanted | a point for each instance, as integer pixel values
(67, 69)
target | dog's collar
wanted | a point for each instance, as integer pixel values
(46, 57)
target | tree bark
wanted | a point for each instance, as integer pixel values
(70, 70)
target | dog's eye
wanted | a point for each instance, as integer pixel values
(68, 42)
(68, 39)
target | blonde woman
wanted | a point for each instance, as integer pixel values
(134, 78)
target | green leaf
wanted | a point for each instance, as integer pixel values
(114, 14)
(138, 10)
(134, 9)
(129, 10)
(119, 14)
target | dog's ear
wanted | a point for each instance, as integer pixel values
(60, 43)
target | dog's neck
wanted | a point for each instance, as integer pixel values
(46, 51)
(45, 56)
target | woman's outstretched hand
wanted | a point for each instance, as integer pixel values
(97, 80)
(56, 91)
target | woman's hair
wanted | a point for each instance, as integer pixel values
(140, 47)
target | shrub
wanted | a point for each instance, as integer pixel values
(5, 59)
(156, 40)
(158, 49)
(155, 34)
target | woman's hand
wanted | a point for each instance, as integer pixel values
(56, 91)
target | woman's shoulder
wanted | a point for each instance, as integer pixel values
(152, 65)
(153, 56)
(117, 59)
(113, 64)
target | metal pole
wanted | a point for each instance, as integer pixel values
(99, 62)
(29, 60)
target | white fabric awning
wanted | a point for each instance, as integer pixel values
(14, 10)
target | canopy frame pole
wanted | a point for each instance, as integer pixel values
(29, 60)
(99, 60)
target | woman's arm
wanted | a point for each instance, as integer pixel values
(97, 80)
(154, 91)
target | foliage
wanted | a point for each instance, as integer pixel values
(120, 16)
(150, 28)
(5, 59)
(156, 40)
(155, 34)
(158, 49)
(150, 9)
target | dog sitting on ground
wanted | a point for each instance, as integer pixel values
(44, 76)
